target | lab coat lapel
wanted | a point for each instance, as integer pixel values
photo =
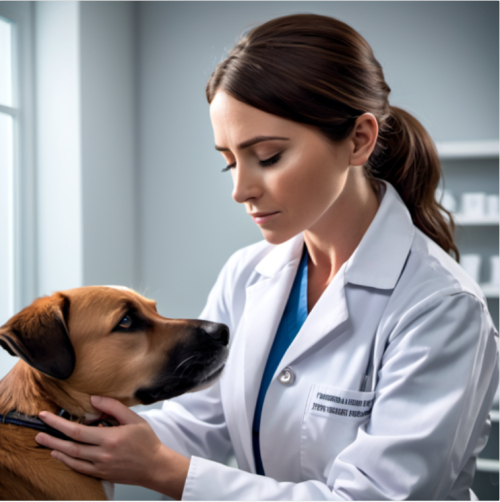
(328, 317)
(264, 306)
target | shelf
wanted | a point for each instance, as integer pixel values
(467, 149)
(490, 290)
(463, 220)
(487, 465)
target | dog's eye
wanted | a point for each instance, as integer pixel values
(131, 322)
(126, 322)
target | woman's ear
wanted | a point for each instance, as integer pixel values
(364, 138)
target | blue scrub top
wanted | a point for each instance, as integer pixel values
(293, 318)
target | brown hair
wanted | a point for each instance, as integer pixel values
(319, 71)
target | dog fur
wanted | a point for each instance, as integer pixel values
(98, 340)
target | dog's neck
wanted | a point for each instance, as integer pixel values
(36, 393)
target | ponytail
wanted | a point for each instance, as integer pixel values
(406, 157)
(317, 70)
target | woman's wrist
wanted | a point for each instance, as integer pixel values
(168, 472)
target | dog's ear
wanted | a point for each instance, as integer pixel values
(39, 335)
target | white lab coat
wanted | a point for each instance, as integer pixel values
(400, 302)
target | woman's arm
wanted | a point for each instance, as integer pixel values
(129, 453)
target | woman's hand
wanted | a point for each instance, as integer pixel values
(130, 453)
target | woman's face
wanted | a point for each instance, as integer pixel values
(288, 175)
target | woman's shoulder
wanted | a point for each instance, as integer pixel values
(434, 292)
(430, 276)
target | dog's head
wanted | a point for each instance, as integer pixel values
(111, 341)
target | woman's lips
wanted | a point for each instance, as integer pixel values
(261, 218)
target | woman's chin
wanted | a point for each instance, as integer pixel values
(276, 237)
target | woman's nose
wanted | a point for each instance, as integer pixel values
(246, 185)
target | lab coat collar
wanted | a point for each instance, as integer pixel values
(379, 258)
(282, 255)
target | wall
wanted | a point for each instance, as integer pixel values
(58, 125)
(108, 142)
(440, 59)
(86, 144)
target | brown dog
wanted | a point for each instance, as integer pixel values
(106, 341)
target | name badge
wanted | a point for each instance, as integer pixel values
(331, 401)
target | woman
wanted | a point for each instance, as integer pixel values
(363, 361)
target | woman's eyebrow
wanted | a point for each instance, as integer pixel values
(250, 142)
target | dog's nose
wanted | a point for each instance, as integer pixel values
(217, 331)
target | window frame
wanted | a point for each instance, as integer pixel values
(21, 15)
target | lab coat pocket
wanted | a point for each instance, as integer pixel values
(330, 424)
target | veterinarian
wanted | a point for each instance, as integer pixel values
(363, 360)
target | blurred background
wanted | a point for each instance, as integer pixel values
(108, 173)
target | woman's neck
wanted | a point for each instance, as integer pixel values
(333, 239)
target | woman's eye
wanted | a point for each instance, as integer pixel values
(263, 163)
(228, 167)
(126, 322)
(270, 161)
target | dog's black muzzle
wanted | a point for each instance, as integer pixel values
(195, 361)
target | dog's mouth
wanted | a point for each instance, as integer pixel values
(195, 372)
(209, 379)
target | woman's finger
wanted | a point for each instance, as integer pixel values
(112, 407)
(76, 464)
(69, 448)
(77, 432)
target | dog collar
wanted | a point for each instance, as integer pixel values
(33, 422)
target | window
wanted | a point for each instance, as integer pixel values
(17, 166)
(8, 124)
